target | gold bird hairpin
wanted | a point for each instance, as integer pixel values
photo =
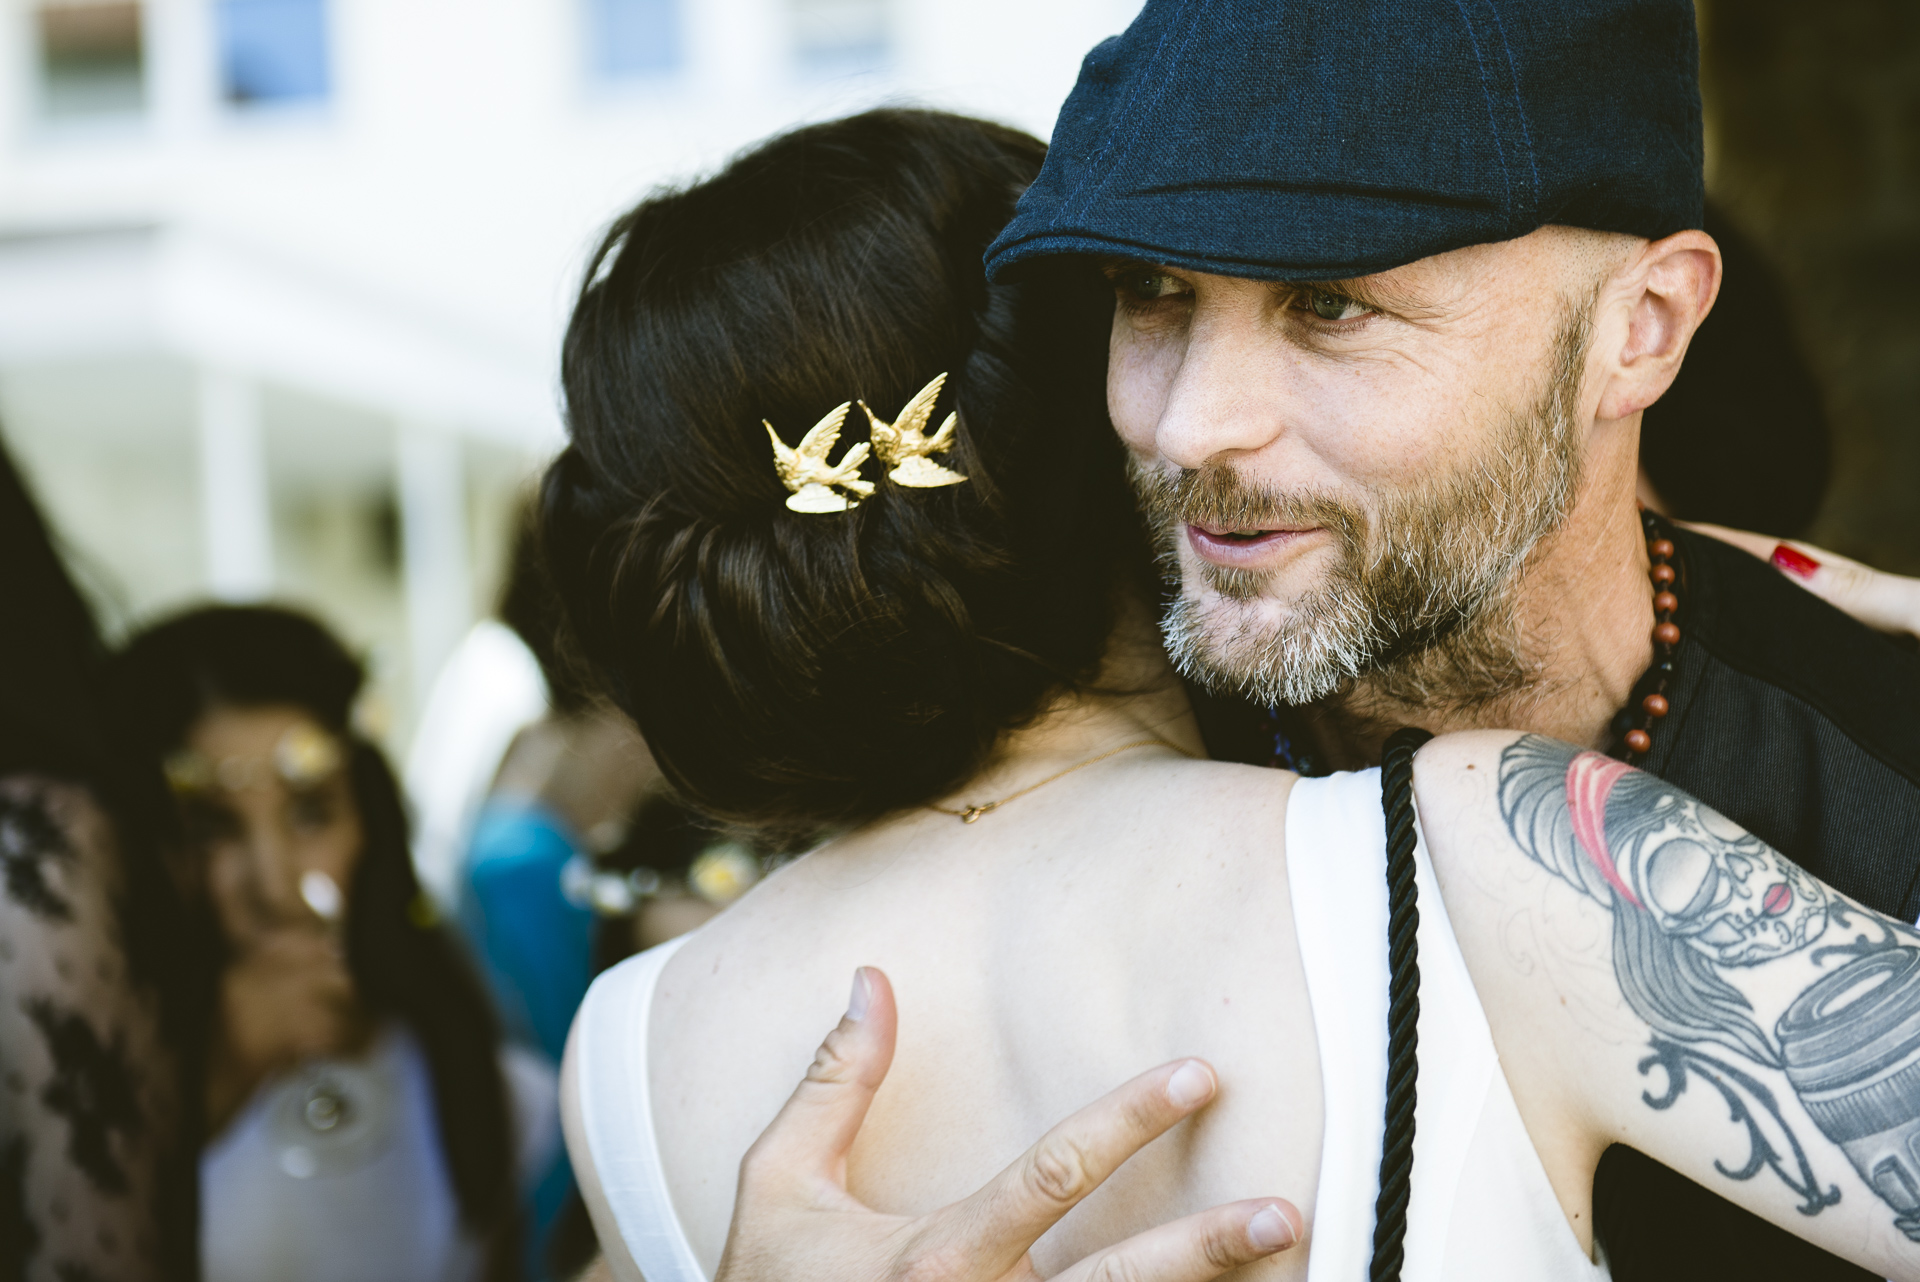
(904, 446)
(805, 471)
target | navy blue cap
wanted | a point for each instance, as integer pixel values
(1324, 139)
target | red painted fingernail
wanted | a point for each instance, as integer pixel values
(1794, 561)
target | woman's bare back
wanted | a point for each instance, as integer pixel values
(1133, 913)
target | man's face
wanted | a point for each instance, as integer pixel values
(1347, 475)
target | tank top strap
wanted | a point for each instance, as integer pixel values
(1336, 875)
(1475, 1171)
(616, 1113)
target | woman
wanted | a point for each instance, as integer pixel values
(96, 988)
(363, 1120)
(941, 665)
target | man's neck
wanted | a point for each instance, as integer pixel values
(1584, 615)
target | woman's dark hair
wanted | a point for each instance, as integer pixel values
(531, 607)
(798, 672)
(55, 722)
(172, 674)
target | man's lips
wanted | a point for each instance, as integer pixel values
(1254, 549)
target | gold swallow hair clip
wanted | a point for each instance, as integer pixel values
(904, 446)
(805, 471)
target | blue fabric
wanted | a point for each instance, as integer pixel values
(1324, 139)
(536, 950)
(535, 947)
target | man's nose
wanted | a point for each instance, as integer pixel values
(1227, 398)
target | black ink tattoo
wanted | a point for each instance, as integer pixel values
(1741, 1090)
(29, 841)
(1693, 897)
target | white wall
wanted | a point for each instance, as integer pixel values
(403, 254)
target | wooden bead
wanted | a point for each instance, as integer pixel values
(1639, 740)
(1662, 548)
(1667, 634)
(1662, 574)
(1665, 602)
(1655, 704)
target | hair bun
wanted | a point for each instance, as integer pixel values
(793, 671)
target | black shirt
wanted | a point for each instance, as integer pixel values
(1802, 726)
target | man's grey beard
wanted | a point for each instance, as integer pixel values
(1421, 601)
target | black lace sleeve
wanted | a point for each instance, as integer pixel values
(89, 1097)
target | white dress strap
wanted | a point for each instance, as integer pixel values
(1339, 897)
(1482, 1207)
(616, 1112)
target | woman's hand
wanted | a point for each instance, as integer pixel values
(1886, 602)
(795, 1221)
(288, 998)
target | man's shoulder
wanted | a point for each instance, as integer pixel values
(1752, 619)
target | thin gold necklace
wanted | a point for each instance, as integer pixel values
(971, 814)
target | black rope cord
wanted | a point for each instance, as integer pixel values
(1403, 1006)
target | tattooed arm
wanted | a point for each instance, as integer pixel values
(1656, 976)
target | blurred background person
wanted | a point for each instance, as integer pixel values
(96, 988)
(363, 1119)
(575, 859)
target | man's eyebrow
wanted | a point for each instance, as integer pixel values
(1372, 292)
(1369, 291)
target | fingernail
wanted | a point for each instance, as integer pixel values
(1794, 561)
(862, 995)
(1269, 1230)
(1190, 1084)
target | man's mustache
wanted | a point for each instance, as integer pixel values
(1217, 496)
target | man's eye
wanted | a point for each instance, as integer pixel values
(1143, 286)
(1329, 306)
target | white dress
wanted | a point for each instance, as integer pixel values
(1482, 1207)
(334, 1172)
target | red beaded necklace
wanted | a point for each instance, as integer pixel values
(1666, 638)
(1653, 705)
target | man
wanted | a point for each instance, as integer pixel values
(1394, 281)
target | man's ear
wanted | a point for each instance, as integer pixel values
(1669, 288)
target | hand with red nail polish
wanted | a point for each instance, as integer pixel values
(1882, 601)
(1795, 562)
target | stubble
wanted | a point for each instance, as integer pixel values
(1421, 601)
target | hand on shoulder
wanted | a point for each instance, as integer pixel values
(1885, 602)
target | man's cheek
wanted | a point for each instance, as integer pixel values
(1137, 383)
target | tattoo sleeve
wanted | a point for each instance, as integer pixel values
(1694, 902)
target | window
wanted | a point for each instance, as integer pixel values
(92, 60)
(628, 38)
(839, 35)
(272, 51)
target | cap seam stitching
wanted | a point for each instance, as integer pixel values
(1486, 96)
(1113, 133)
(1519, 104)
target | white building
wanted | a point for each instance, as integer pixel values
(282, 281)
